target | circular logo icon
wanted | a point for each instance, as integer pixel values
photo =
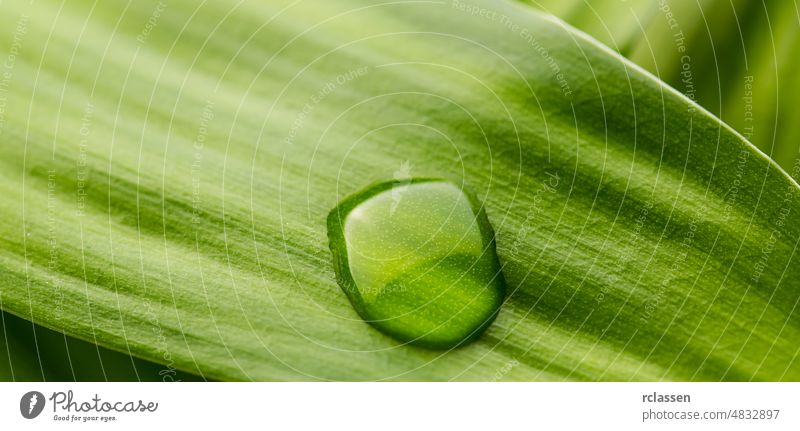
(31, 404)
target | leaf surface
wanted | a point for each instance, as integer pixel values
(167, 184)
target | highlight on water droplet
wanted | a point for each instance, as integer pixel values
(417, 260)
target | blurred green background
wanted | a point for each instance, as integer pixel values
(734, 57)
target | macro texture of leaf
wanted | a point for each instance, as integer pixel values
(166, 172)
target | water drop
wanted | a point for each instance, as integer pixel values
(417, 260)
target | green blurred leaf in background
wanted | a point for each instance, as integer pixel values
(737, 58)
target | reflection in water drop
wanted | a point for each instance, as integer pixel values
(417, 260)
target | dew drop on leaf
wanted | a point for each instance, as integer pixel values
(417, 260)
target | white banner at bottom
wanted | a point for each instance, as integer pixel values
(400, 406)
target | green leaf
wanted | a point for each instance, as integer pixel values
(168, 171)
